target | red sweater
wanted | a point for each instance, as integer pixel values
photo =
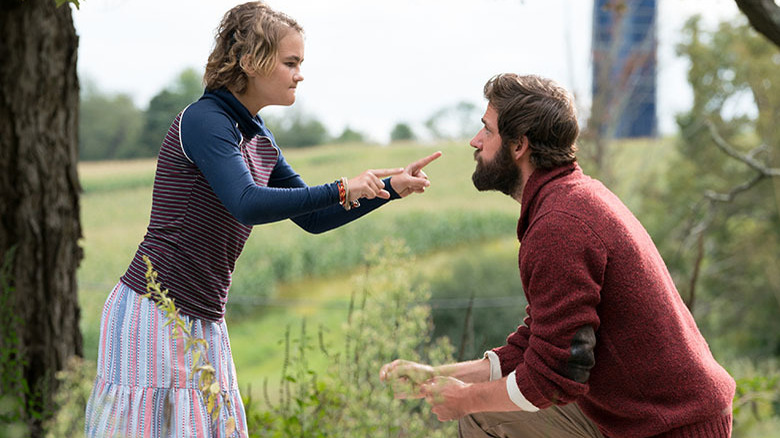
(585, 260)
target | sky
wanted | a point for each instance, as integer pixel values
(371, 64)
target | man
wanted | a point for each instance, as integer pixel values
(607, 348)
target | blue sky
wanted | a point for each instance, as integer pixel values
(371, 64)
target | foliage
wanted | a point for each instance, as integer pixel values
(117, 199)
(757, 401)
(732, 260)
(71, 398)
(477, 296)
(349, 135)
(296, 129)
(13, 386)
(115, 214)
(457, 121)
(207, 384)
(390, 320)
(110, 125)
(163, 108)
(402, 132)
(264, 266)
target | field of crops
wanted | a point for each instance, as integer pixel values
(284, 273)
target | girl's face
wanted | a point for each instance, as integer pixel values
(278, 87)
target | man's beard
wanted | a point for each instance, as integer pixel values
(500, 174)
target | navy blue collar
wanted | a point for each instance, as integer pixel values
(249, 124)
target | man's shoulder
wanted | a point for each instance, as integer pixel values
(576, 197)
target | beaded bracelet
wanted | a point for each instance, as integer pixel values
(344, 195)
(342, 186)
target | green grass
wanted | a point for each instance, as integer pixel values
(303, 275)
(117, 200)
(286, 275)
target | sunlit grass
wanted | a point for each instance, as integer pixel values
(117, 201)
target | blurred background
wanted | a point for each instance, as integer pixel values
(678, 104)
(369, 66)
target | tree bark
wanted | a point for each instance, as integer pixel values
(764, 16)
(39, 192)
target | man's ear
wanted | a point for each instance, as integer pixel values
(521, 147)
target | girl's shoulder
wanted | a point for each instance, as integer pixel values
(208, 112)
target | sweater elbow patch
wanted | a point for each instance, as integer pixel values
(581, 356)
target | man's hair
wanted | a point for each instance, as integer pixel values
(539, 109)
(247, 40)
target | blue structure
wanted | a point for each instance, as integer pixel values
(624, 68)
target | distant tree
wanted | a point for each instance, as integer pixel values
(109, 126)
(454, 122)
(39, 206)
(163, 109)
(348, 135)
(296, 129)
(723, 248)
(402, 132)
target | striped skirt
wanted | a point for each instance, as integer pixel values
(145, 386)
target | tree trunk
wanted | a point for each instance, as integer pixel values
(39, 196)
(764, 16)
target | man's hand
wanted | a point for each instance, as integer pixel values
(447, 397)
(406, 377)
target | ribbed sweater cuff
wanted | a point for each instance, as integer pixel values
(719, 427)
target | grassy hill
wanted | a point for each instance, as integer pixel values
(285, 274)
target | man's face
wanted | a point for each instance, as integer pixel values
(496, 169)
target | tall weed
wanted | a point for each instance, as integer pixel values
(389, 318)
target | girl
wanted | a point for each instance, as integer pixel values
(219, 172)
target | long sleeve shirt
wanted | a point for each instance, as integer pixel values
(219, 172)
(605, 326)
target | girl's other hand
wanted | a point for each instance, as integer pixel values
(412, 179)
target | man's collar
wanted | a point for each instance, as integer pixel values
(538, 179)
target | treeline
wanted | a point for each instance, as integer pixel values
(112, 127)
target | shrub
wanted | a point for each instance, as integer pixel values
(389, 318)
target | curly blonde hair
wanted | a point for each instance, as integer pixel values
(247, 40)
